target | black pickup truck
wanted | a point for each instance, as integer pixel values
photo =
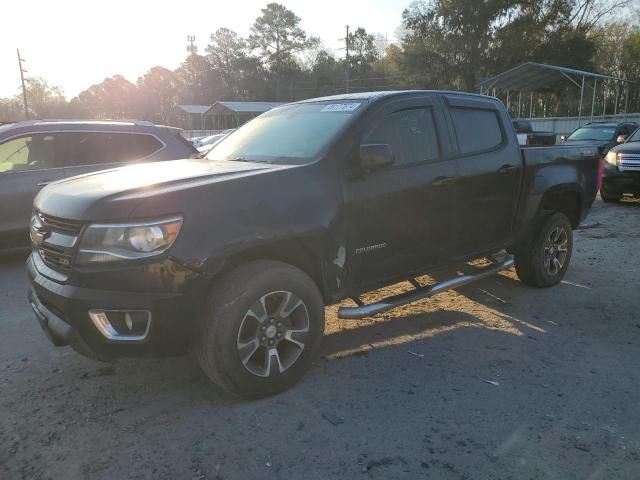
(235, 256)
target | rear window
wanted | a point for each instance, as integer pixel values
(478, 130)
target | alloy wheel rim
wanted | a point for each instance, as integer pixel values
(273, 333)
(556, 250)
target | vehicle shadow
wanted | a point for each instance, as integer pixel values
(485, 304)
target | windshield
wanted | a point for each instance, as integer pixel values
(292, 134)
(635, 136)
(604, 133)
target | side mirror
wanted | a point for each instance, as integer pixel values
(375, 156)
(621, 138)
(563, 137)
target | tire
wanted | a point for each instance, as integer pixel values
(259, 307)
(608, 198)
(535, 264)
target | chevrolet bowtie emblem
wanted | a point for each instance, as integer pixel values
(38, 231)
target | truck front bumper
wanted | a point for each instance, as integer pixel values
(65, 314)
(615, 182)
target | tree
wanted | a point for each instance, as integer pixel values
(278, 37)
(527, 28)
(199, 84)
(114, 98)
(588, 14)
(226, 53)
(159, 94)
(631, 68)
(45, 101)
(362, 50)
(11, 110)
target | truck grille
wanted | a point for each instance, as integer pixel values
(55, 240)
(68, 227)
(629, 161)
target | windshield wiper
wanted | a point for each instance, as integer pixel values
(243, 159)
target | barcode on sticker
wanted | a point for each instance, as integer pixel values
(340, 107)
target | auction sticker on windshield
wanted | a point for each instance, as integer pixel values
(340, 107)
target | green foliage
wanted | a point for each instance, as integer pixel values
(277, 35)
(448, 44)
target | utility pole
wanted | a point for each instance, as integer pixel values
(346, 68)
(192, 48)
(24, 90)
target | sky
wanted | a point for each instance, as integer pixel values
(77, 43)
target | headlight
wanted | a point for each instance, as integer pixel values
(611, 158)
(123, 241)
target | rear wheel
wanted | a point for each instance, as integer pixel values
(543, 262)
(261, 330)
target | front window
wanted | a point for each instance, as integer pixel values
(32, 152)
(292, 134)
(601, 133)
(635, 137)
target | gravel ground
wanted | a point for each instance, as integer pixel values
(494, 381)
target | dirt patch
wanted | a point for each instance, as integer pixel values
(494, 381)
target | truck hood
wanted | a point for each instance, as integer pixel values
(603, 145)
(585, 142)
(630, 147)
(120, 190)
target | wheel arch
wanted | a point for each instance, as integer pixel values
(303, 252)
(564, 199)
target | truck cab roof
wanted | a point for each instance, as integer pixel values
(379, 95)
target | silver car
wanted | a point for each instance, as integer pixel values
(36, 153)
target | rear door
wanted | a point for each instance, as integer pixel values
(400, 217)
(490, 167)
(85, 152)
(27, 163)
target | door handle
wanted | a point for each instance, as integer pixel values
(45, 183)
(440, 181)
(506, 169)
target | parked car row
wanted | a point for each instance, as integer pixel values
(619, 144)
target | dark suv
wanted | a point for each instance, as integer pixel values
(606, 134)
(622, 170)
(36, 153)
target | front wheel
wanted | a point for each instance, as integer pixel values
(543, 262)
(261, 329)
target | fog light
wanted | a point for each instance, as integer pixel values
(122, 325)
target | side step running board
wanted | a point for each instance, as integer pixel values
(388, 303)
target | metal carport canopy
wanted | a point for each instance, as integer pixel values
(531, 74)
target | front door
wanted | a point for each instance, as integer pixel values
(27, 163)
(400, 217)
